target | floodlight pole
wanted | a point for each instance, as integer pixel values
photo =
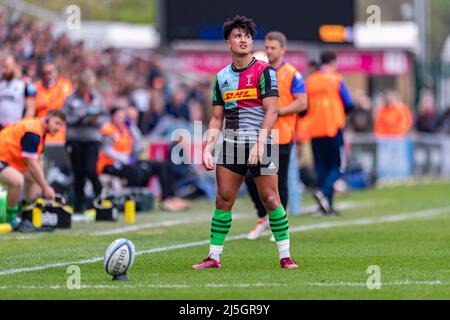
(422, 18)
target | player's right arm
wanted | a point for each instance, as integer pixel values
(35, 169)
(215, 126)
(214, 129)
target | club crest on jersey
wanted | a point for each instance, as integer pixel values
(242, 94)
(249, 80)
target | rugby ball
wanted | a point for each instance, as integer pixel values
(119, 257)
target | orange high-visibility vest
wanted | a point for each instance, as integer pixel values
(11, 142)
(53, 98)
(326, 113)
(302, 130)
(285, 124)
(393, 120)
(123, 143)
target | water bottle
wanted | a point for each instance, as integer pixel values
(130, 211)
(36, 217)
(3, 204)
(5, 227)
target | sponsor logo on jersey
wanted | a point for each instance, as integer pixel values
(242, 94)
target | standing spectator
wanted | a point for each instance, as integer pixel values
(84, 109)
(328, 102)
(393, 118)
(428, 119)
(51, 92)
(16, 95)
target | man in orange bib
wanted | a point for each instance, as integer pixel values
(21, 146)
(328, 102)
(51, 92)
(292, 100)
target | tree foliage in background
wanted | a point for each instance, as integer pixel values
(133, 11)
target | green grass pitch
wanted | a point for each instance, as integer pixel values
(402, 230)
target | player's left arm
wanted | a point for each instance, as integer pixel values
(269, 95)
(299, 93)
(30, 100)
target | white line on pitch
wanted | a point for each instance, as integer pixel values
(326, 225)
(363, 284)
(149, 286)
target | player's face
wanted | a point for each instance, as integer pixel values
(240, 42)
(54, 124)
(274, 50)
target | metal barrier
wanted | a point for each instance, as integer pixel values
(415, 155)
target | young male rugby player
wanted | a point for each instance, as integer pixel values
(245, 94)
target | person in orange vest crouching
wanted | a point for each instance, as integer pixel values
(328, 102)
(21, 146)
(51, 92)
(120, 144)
(393, 119)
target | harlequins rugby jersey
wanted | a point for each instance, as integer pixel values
(240, 92)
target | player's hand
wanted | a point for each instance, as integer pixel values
(256, 154)
(208, 160)
(49, 193)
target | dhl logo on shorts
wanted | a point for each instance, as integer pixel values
(242, 94)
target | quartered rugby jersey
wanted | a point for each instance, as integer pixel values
(240, 92)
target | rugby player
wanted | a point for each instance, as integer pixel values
(245, 94)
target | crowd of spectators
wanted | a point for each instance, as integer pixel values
(122, 79)
(163, 102)
(392, 117)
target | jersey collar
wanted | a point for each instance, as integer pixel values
(245, 68)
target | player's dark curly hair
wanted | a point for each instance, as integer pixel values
(239, 22)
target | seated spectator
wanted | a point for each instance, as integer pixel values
(393, 119)
(427, 119)
(121, 143)
(444, 124)
(361, 118)
(178, 106)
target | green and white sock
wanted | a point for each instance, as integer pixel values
(280, 229)
(220, 225)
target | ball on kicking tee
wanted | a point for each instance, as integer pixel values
(119, 258)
